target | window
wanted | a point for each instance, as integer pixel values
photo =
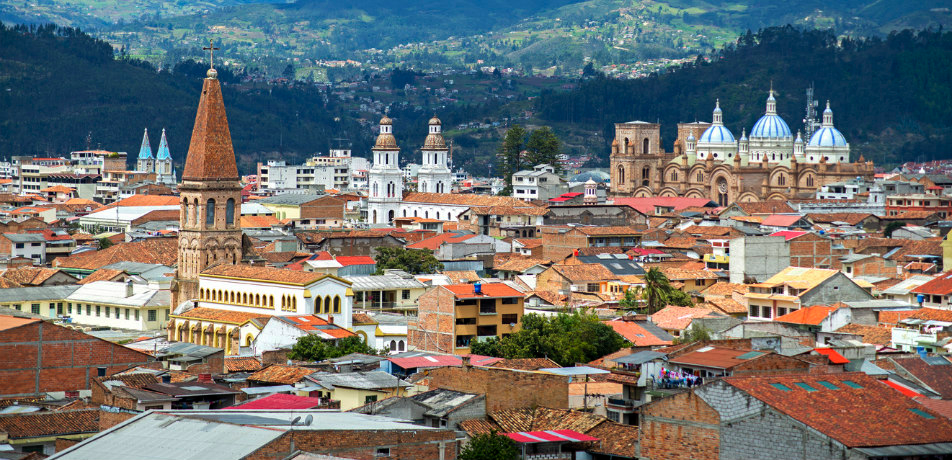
(781, 311)
(465, 321)
(805, 386)
(117, 312)
(136, 314)
(59, 308)
(19, 245)
(614, 416)
(370, 399)
(166, 315)
(151, 315)
(510, 300)
(230, 211)
(754, 311)
(381, 451)
(69, 308)
(406, 294)
(510, 318)
(88, 309)
(766, 312)
(828, 385)
(35, 308)
(781, 387)
(210, 212)
(97, 310)
(336, 304)
(487, 306)
(107, 312)
(852, 384)
(127, 314)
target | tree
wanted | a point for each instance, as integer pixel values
(566, 338)
(412, 261)
(313, 348)
(892, 227)
(104, 243)
(490, 446)
(656, 290)
(289, 72)
(543, 148)
(509, 157)
(589, 70)
(631, 300)
(695, 334)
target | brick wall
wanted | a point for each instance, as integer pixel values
(505, 388)
(874, 266)
(108, 419)
(680, 427)
(41, 357)
(814, 251)
(772, 364)
(363, 445)
(63, 444)
(558, 243)
(274, 357)
(433, 330)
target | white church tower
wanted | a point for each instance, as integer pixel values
(435, 175)
(386, 178)
(164, 174)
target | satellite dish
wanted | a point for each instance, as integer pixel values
(308, 419)
(295, 420)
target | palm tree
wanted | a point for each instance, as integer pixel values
(656, 290)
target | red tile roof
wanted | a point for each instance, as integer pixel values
(225, 316)
(835, 357)
(647, 205)
(242, 364)
(467, 291)
(940, 285)
(47, 424)
(812, 316)
(355, 260)
(634, 333)
(10, 322)
(844, 414)
(264, 274)
(279, 401)
(677, 318)
(210, 153)
(281, 374)
(789, 234)
(313, 323)
(715, 357)
(780, 220)
(435, 242)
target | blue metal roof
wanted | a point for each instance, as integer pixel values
(770, 126)
(828, 136)
(717, 135)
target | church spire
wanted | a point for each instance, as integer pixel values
(210, 153)
(145, 152)
(828, 115)
(163, 152)
(718, 113)
(771, 102)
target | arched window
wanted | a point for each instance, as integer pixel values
(404, 213)
(809, 181)
(400, 346)
(294, 303)
(700, 176)
(426, 214)
(375, 189)
(318, 305)
(645, 172)
(390, 216)
(781, 180)
(414, 213)
(201, 294)
(257, 300)
(210, 212)
(337, 304)
(393, 345)
(271, 301)
(230, 211)
(674, 175)
(244, 298)
(621, 172)
(374, 220)
(644, 146)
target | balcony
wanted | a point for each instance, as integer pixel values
(622, 405)
(552, 456)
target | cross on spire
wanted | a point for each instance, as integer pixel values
(211, 53)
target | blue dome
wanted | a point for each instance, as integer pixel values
(770, 126)
(828, 136)
(717, 135)
(597, 176)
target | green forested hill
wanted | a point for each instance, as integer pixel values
(890, 96)
(60, 87)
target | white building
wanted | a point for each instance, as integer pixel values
(284, 331)
(435, 175)
(541, 183)
(26, 245)
(385, 177)
(118, 305)
(276, 292)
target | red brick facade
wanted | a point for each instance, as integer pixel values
(40, 357)
(436, 322)
(680, 427)
(364, 445)
(504, 388)
(815, 251)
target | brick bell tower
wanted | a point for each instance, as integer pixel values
(209, 229)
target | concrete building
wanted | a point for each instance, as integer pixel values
(757, 257)
(437, 408)
(796, 287)
(452, 316)
(118, 305)
(395, 290)
(540, 183)
(27, 245)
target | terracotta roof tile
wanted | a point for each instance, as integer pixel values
(844, 414)
(635, 333)
(680, 242)
(813, 315)
(726, 305)
(940, 285)
(259, 222)
(525, 364)
(677, 318)
(162, 251)
(363, 318)
(851, 218)
(463, 199)
(938, 377)
(435, 242)
(529, 243)
(875, 335)
(933, 314)
(677, 274)
(103, 274)
(263, 273)
(608, 231)
(132, 380)
(712, 231)
(723, 288)
(50, 424)
(242, 364)
(281, 374)
(29, 276)
(225, 316)
(467, 291)
(765, 207)
(519, 265)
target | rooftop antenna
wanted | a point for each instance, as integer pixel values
(810, 122)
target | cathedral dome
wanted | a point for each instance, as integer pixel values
(828, 136)
(434, 142)
(435, 121)
(386, 141)
(386, 120)
(716, 135)
(770, 126)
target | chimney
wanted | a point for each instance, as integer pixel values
(129, 288)
(205, 378)
(466, 362)
(101, 371)
(330, 319)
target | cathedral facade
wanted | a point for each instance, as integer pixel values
(708, 162)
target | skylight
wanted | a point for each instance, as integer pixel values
(922, 413)
(828, 385)
(852, 384)
(805, 386)
(781, 387)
